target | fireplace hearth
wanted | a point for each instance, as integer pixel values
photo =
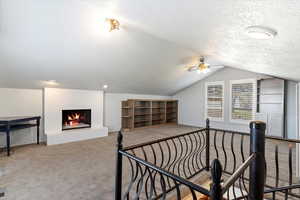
(75, 119)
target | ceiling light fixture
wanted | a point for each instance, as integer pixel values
(202, 67)
(260, 32)
(113, 24)
(105, 86)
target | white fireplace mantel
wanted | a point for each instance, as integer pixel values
(56, 100)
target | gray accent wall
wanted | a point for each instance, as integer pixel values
(291, 110)
(192, 101)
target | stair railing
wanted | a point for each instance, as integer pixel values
(164, 167)
(256, 163)
(161, 166)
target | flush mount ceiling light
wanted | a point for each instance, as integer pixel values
(105, 86)
(113, 24)
(260, 32)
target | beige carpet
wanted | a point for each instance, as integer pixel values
(86, 170)
(80, 170)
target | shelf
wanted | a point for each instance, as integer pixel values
(142, 114)
(271, 103)
(242, 108)
(270, 94)
(157, 120)
(171, 119)
(215, 97)
(141, 121)
(171, 112)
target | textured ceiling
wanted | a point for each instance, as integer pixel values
(65, 40)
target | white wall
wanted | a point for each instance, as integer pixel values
(112, 105)
(192, 100)
(21, 102)
(17, 102)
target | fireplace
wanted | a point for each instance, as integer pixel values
(74, 119)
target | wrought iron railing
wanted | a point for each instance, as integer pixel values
(160, 166)
(231, 148)
(175, 167)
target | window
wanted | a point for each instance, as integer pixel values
(215, 101)
(243, 100)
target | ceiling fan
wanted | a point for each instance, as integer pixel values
(202, 67)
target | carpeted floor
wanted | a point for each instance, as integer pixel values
(86, 170)
(80, 170)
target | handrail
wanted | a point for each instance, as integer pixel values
(237, 173)
(183, 153)
(160, 140)
(267, 136)
(166, 173)
(279, 189)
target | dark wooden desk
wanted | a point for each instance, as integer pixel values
(8, 124)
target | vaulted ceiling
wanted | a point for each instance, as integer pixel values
(66, 40)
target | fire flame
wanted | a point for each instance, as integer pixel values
(74, 116)
(73, 119)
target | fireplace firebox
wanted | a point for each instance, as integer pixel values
(74, 119)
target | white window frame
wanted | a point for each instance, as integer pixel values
(206, 96)
(240, 121)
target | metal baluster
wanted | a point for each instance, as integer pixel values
(224, 151)
(175, 157)
(118, 183)
(177, 163)
(168, 162)
(290, 165)
(193, 194)
(207, 145)
(163, 186)
(216, 174)
(192, 155)
(215, 144)
(232, 151)
(198, 148)
(257, 166)
(178, 194)
(202, 138)
(276, 166)
(185, 158)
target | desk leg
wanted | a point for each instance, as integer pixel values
(8, 139)
(38, 131)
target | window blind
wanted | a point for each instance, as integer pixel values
(214, 101)
(243, 100)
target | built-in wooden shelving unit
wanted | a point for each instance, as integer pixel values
(141, 113)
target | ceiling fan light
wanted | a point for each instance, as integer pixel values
(205, 71)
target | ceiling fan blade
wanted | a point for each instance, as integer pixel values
(216, 66)
(192, 68)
